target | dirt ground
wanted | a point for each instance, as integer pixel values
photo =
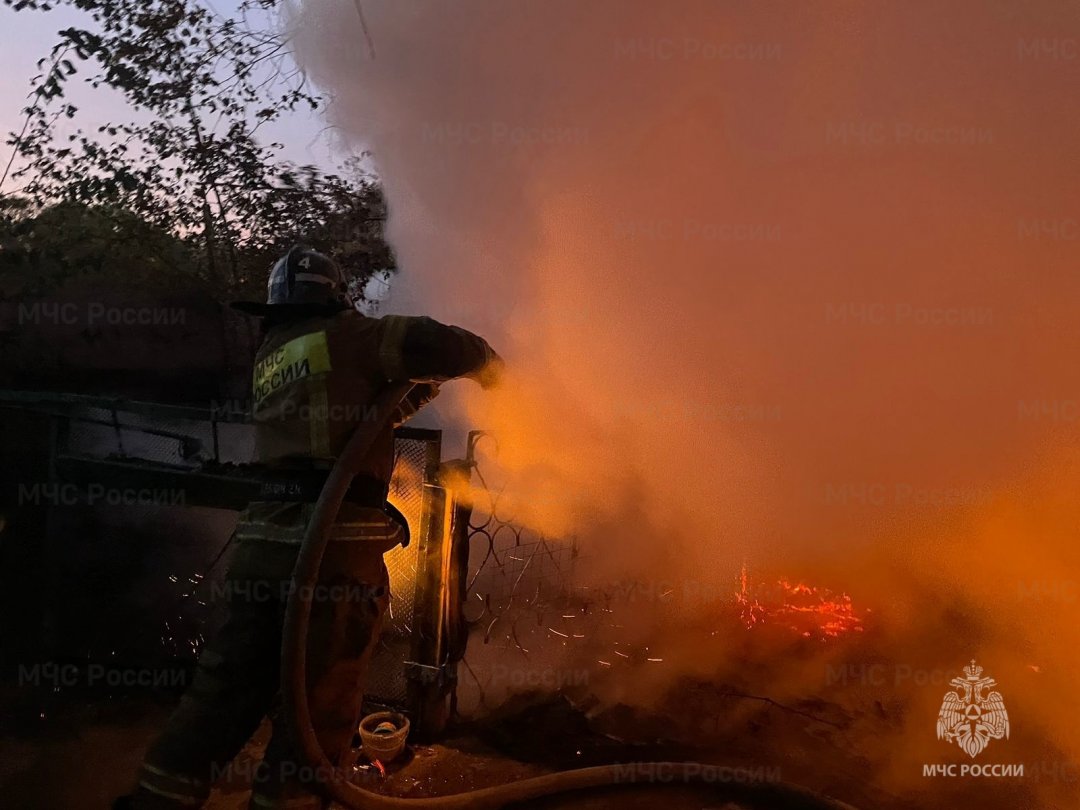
(77, 753)
(81, 754)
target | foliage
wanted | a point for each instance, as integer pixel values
(188, 163)
(39, 252)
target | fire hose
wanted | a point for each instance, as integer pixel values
(334, 784)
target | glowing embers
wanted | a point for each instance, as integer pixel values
(810, 611)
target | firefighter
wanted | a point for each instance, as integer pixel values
(319, 366)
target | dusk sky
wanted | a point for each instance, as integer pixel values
(27, 36)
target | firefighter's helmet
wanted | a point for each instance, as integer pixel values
(302, 279)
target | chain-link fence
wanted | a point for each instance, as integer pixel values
(520, 606)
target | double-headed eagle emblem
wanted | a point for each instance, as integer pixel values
(970, 716)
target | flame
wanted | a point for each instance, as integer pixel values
(810, 611)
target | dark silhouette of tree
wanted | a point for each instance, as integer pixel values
(40, 253)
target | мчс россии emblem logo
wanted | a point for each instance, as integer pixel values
(971, 716)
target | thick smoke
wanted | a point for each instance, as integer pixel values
(786, 283)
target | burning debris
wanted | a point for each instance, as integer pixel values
(810, 611)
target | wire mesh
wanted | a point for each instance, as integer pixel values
(100, 433)
(386, 681)
(519, 594)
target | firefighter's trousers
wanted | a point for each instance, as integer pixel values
(238, 677)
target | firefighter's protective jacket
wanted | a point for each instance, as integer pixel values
(314, 382)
